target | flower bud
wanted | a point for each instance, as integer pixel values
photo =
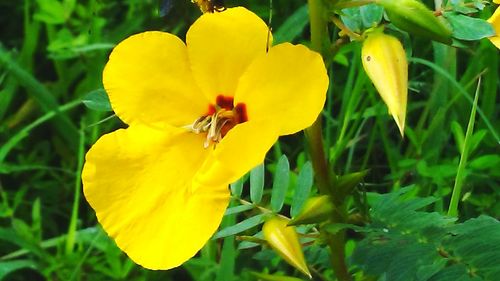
(284, 241)
(414, 17)
(384, 60)
(316, 209)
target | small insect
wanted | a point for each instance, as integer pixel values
(210, 5)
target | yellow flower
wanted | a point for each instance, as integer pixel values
(495, 21)
(200, 115)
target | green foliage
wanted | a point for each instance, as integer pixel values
(469, 28)
(403, 242)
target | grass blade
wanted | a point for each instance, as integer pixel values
(460, 178)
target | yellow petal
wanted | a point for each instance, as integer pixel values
(149, 81)
(139, 182)
(384, 60)
(221, 46)
(284, 241)
(243, 148)
(286, 87)
(495, 22)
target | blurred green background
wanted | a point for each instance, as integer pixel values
(52, 53)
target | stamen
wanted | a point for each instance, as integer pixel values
(219, 120)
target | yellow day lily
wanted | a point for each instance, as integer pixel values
(200, 115)
(494, 20)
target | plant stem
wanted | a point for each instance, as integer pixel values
(323, 174)
(314, 133)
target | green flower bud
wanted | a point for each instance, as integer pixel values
(316, 209)
(414, 17)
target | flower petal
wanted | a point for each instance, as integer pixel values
(244, 147)
(494, 20)
(221, 46)
(139, 182)
(148, 80)
(286, 87)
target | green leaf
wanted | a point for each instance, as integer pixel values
(51, 12)
(237, 186)
(403, 243)
(280, 184)
(468, 28)
(228, 254)
(238, 209)
(371, 15)
(490, 161)
(257, 183)
(293, 26)
(97, 100)
(459, 135)
(302, 189)
(7, 267)
(42, 96)
(240, 227)
(351, 17)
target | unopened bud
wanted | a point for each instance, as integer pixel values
(316, 210)
(384, 60)
(284, 241)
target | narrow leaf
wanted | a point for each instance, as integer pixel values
(257, 183)
(303, 188)
(240, 227)
(7, 267)
(293, 26)
(280, 184)
(238, 209)
(237, 186)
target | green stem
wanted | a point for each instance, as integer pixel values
(317, 153)
(314, 133)
(323, 173)
(71, 237)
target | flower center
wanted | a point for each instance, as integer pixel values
(220, 118)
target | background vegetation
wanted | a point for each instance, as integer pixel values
(51, 58)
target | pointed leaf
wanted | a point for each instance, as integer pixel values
(97, 100)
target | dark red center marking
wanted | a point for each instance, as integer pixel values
(227, 102)
(224, 102)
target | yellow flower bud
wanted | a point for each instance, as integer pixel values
(384, 60)
(284, 241)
